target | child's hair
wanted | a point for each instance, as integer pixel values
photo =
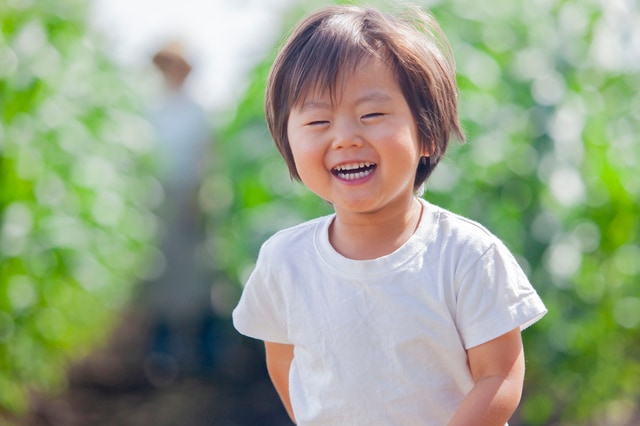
(328, 45)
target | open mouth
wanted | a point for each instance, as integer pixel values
(354, 171)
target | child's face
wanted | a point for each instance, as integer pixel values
(361, 152)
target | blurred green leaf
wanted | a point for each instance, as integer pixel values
(73, 166)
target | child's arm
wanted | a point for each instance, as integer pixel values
(498, 373)
(279, 357)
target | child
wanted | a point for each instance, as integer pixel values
(392, 311)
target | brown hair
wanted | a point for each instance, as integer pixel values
(325, 47)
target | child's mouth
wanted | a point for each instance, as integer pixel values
(353, 171)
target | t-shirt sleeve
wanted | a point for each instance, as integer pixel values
(260, 311)
(495, 297)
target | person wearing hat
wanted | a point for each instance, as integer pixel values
(179, 298)
(173, 65)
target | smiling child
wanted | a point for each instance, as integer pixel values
(392, 310)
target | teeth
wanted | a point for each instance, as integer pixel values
(353, 171)
(354, 176)
(352, 166)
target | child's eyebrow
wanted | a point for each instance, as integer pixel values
(375, 96)
(313, 104)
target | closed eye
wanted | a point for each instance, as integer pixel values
(373, 115)
(317, 123)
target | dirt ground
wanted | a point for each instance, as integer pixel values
(117, 386)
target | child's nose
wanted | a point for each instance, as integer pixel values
(346, 135)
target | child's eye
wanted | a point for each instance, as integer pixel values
(372, 115)
(317, 123)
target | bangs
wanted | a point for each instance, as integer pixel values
(327, 57)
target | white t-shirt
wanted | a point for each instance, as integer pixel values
(383, 342)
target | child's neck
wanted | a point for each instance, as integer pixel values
(370, 236)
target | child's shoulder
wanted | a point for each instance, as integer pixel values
(454, 227)
(296, 237)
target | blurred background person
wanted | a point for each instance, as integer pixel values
(178, 298)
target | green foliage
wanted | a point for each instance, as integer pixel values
(75, 198)
(549, 102)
